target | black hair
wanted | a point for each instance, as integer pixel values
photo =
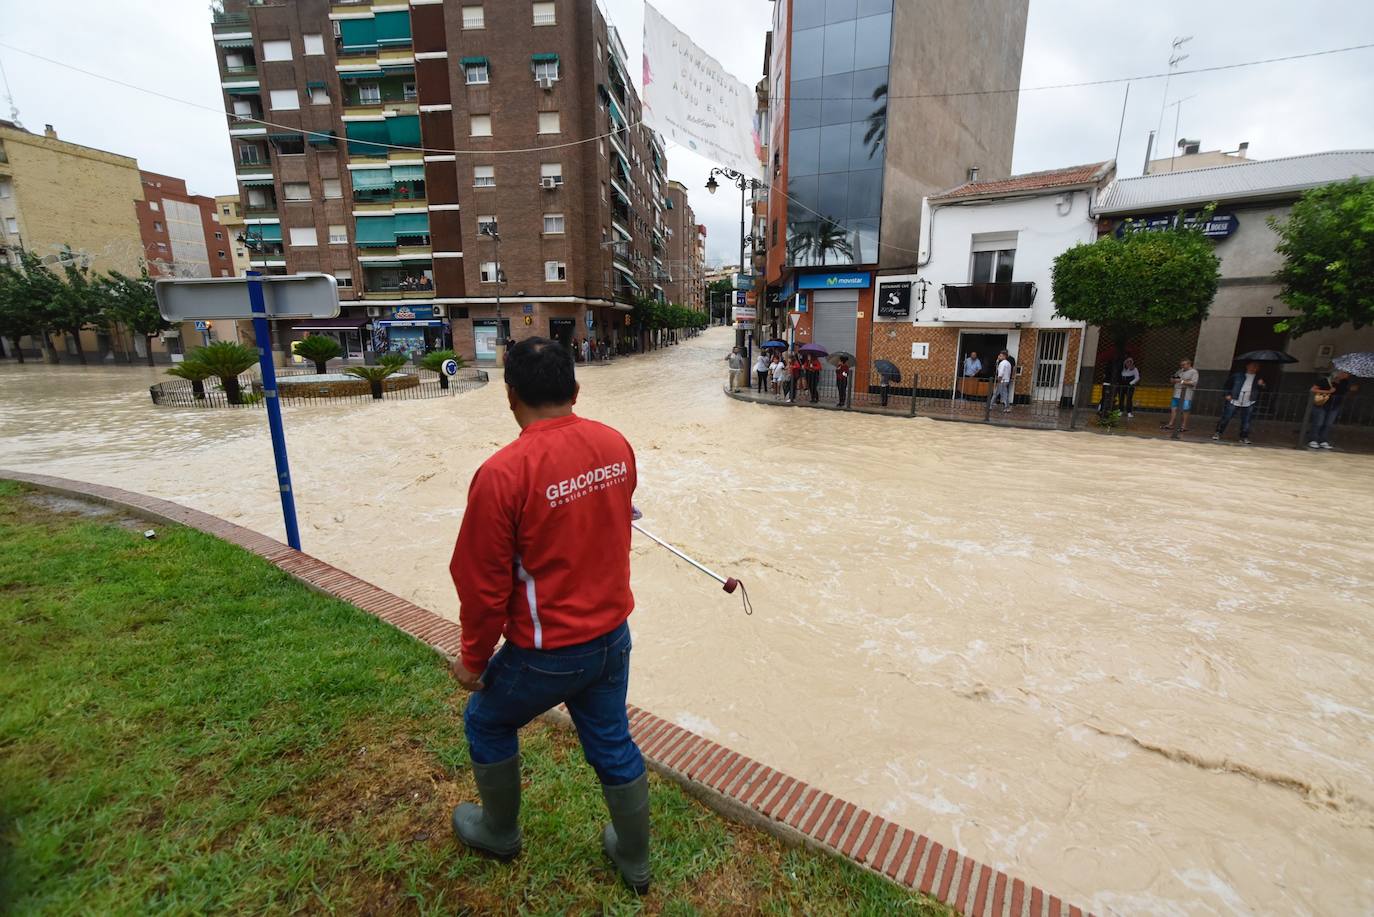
(541, 372)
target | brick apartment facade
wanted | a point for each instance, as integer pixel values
(182, 233)
(390, 160)
(686, 254)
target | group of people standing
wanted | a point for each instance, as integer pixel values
(1004, 389)
(589, 350)
(786, 374)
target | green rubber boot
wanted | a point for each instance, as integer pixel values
(494, 826)
(626, 838)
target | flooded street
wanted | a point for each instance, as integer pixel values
(1136, 673)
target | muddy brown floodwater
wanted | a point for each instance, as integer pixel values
(1136, 673)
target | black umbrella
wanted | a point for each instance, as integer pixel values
(888, 370)
(835, 357)
(1266, 356)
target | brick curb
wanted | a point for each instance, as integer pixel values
(737, 786)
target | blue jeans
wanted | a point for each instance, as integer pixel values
(1229, 411)
(591, 678)
(1323, 416)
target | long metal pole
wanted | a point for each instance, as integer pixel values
(659, 541)
(269, 391)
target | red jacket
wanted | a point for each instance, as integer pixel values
(543, 554)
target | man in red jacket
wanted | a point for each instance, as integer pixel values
(543, 558)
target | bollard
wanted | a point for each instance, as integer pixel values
(914, 378)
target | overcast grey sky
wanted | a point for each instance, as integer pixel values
(1282, 109)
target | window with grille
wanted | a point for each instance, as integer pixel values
(338, 234)
(484, 176)
(544, 13)
(473, 18)
(486, 225)
(369, 94)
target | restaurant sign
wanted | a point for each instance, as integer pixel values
(1217, 226)
(894, 300)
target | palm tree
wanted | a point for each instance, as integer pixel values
(394, 360)
(320, 349)
(434, 362)
(227, 360)
(195, 373)
(831, 236)
(876, 134)
(375, 374)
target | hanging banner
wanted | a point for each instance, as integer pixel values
(693, 101)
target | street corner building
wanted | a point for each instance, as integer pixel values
(374, 142)
(856, 139)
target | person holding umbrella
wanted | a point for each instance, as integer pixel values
(888, 373)
(813, 371)
(1242, 391)
(794, 376)
(840, 359)
(1328, 395)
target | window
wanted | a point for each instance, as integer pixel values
(220, 253)
(603, 191)
(481, 125)
(243, 107)
(303, 235)
(289, 144)
(276, 50)
(601, 146)
(338, 234)
(319, 95)
(552, 170)
(314, 44)
(484, 176)
(486, 225)
(477, 74)
(489, 269)
(408, 93)
(555, 270)
(994, 256)
(234, 63)
(553, 223)
(249, 155)
(285, 100)
(544, 13)
(333, 190)
(154, 205)
(548, 122)
(473, 18)
(545, 70)
(219, 236)
(225, 208)
(12, 226)
(296, 190)
(161, 246)
(257, 199)
(157, 226)
(369, 94)
(344, 279)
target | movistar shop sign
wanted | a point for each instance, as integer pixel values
(855, 280)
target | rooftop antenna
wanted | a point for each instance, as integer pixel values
(9, 96)
(1178, 110)
(1176, 57)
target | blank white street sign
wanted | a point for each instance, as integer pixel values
(285, 296)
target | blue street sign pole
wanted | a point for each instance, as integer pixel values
(269, 390)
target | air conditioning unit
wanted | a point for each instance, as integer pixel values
(438, 311)
(546, 83)
(374, 311)
(549, 182)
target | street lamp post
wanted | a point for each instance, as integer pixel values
(744, 183)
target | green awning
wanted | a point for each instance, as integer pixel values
(624, 163)
(473, 61)
(286, 138)
(323, 138)
(404, 130)
(270, 232)
(366, 138)
(264, 180)
(316, 84)
(244, 91)
(234, 42)
(667, 204)
(412, 224)
(615, 189)
(407, 173)
(371, 179)
(361, 74)
(392, 27)
(616, 114)
(358, 33)
(545, 58)
(375, 231)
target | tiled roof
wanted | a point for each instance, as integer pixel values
(1265, 178)
(1088, 174)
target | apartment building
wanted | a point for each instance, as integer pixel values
(469, 172)
(230, 210)
(686, 254)
(868, 111)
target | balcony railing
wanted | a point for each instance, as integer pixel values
(241, 72)
(1015, 295)
(225, 21)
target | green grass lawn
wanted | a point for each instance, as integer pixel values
(185, 728)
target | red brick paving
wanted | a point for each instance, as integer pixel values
(897, 852)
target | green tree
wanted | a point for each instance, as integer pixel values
(319, 348)
(17, 317)
(33, 289)
(80, 302)
(434, 362)
(1137, 282)
(195, 373)
(373, 375)
(227, 360)
(718, 294)
(130, 302)
(1328, 247)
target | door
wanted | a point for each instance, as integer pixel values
(561, 330)
(1050, 353)
(1259, 334)
(986, 345)
(486, 335)
(834, 325)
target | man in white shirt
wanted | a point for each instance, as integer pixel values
(737, 363)
(1242, 392)
(1004, 392)
(1185, 383)
(761, 371)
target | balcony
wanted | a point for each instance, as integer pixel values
(242, 72)
(229, 22)
(987, 302)
(253, 168)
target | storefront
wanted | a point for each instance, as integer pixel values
(487, 335)
(411, 330)
(348, 330)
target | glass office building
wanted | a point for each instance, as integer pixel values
(837, 130)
